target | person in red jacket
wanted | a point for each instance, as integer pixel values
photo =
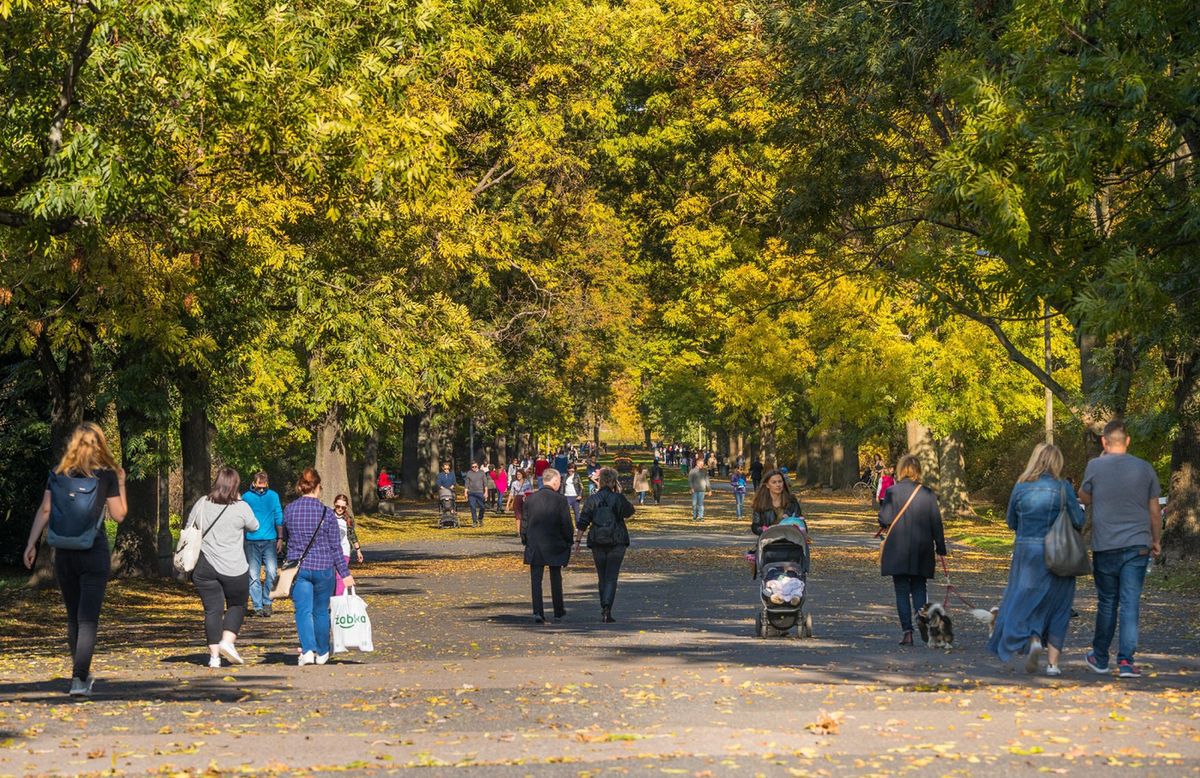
(500, 478)
(386, 488)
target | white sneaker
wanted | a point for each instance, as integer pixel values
(214, 661)
(229, 652)
(81, 688)
(1035, 654)
(322, 658)
(1053, 671)
(307, 658)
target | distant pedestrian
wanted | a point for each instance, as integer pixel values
(756, 472)
(603, 519)
(547, 539)
(222, 575)
(387, 489)
(499, 478)
(476, 483)
(773, 502)
(656, 481)
(910, 517)
(539, 466)
(1123, 493)
(517, 491)
(263, 545)
(314, 542)
(445, 485)
(561, 460)
(1036, 608)
(572, 488)
(641, 483)
(348, 538)
(81, 563)
(737, 481)
(886, 481)
(700, 487)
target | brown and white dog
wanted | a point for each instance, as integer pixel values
(937, 630)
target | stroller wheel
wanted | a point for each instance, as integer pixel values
(758, 625)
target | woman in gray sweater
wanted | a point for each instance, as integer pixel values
(222, 573)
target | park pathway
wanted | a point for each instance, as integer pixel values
(462, 679)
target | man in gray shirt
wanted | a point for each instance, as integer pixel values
(700, 488)
(1122, 491)
(476, 482)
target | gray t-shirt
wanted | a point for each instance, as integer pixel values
(476, 481)
(223, 546)
(1121, 486)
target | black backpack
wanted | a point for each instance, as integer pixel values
(603, 531)
(76, 511)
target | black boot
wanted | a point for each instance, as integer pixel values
(606, 615)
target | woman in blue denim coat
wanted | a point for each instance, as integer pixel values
(1036, 608)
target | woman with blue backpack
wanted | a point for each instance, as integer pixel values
(603, 518)
(85, 482)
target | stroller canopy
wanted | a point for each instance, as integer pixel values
(782, 543)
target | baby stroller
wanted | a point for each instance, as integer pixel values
(448, 509)
(781, 562)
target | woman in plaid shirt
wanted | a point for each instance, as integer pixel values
(302, 519)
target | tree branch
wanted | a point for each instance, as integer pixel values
(66, 95)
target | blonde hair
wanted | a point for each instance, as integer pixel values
(1046, 458)
(86, 452)
(909, 466)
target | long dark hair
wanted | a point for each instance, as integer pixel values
(349, 514)
(762, 498)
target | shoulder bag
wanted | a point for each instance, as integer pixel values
(895, 521)
(187, 552)
(288, 570)
(1065, 553)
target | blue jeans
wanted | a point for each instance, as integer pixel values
(260, 554)
(739, 503)
(697, 505)
(311, 597)
(573, 503)
(478, 505)
(910, 596)
(1119, 577)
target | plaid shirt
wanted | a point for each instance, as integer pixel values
(300, 520)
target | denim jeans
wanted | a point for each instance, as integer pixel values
(573, 504)
(260, 554)
(478, 506)
(697, 505)
(1119, 577)
(310, 596)
(739, 503)
(910, 596)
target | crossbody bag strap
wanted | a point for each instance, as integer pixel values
(900, 515)
(316, 531)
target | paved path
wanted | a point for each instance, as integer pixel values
(463, 680)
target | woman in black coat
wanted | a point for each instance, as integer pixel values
(914, 533)
(546, 533)
(603, 517)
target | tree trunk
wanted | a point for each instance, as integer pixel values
(410, 459)
(368, 500)
(166, 541)
(1183, 506)
(849, 470)
(196, 442)
(429, 459)
(646, 439)
(767, 427)
(502, 448)
(802, 466)
(135, 553)
(922, 445)
(813, 459)
(596, 432)
(331, 456)
(953, 497)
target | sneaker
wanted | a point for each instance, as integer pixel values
(265, 612)
(1053, 671)
(1127, 669)
(214, 662)
(307, 658)
(81, 688)
(229, 652)
(1094, 663)
(1034, 656)
(322, 658)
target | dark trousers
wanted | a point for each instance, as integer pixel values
(657, 488)
(83, 577)
(478, 506)
(224, 599)
(556, 589)
(910, 597)
(608, 566)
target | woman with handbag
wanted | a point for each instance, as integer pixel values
(603, 519)
(314, 551)
(909, 515)
(222, 574)
(1036, 609)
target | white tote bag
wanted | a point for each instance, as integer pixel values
(349, 622)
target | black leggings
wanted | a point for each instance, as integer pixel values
(224, 598)
(608, 566)
(83, 577)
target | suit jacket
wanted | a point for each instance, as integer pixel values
(911, 543)
(546, 528)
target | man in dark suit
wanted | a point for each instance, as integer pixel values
(547, 534)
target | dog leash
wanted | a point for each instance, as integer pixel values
(951, 588)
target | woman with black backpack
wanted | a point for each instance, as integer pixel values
(603, 518)
(86, 481)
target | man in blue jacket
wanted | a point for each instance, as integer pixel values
(262, 545)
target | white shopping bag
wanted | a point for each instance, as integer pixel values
(350, 624)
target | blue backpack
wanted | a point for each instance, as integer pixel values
(76, 511)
